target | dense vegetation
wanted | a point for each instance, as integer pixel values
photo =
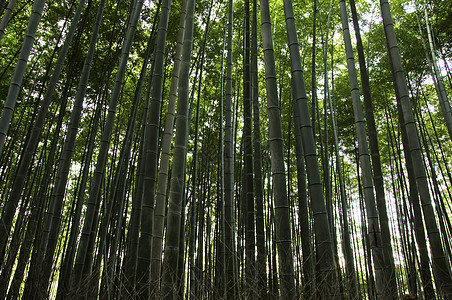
(231, 149)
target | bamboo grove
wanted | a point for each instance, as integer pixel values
(195, 149)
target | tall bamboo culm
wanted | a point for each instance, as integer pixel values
(83, 261)
(327, 284)
(384, 289)
(440, 263)
(16, 81)
(281, 203)
(169, 288)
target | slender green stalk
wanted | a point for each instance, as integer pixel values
(160, 199)
(384, 290)
(84, 251)
(133, 234)
(229, 166)
(440, 265)
(66, 267)
(117, 194)
(131, 260)
(169, 287)
(282, 211)
(19, 182)
(151, 153)
(350, 279)
(442, 95)
(36, 285)
(250, 260)
(314, 106)
(303, 215)
(375, 154)
(16, 84)
(6, 17)
(261, 266)
(328, 284)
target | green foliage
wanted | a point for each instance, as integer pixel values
(53, 28)
(441, 16)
